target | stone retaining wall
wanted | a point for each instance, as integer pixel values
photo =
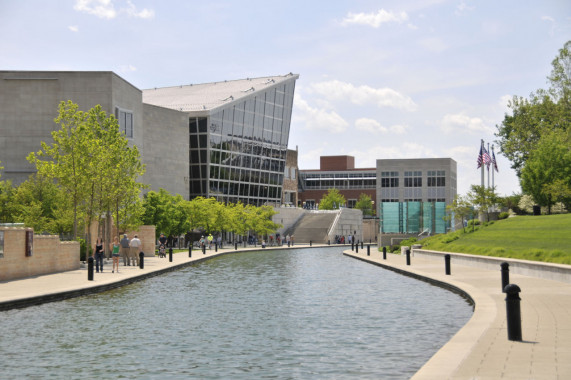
(49, 255)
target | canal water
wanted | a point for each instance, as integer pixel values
(288, 314)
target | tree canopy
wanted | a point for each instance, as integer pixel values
(333, 200)
(365, 204)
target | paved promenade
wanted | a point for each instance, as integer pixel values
(481, 350)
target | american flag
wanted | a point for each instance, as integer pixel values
(484, 158)
(494, 161)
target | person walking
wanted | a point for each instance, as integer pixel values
(115, 254)
(99, 255)
(210, 238)
(125, 250)
(292, 241)
(288, 240)
(135, 248)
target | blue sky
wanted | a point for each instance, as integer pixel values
(378, 79)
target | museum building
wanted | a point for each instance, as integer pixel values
(223, 139)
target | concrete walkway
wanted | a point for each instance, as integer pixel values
(481, 350)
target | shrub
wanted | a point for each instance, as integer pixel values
(503, 215)
(473, 222)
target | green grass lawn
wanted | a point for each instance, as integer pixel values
(540, 238)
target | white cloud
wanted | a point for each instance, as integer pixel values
(553, 24)
(106, 9)
(398, 129)
(374, 19)
(369, 125)
(144, 13)
(461, 123)
(127, 68)
(463, 8)
(363, 95)
(318, 118)
(73, 28)
(99, 8)
(503, 102)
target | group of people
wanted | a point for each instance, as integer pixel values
(209, 240)
(128, 249)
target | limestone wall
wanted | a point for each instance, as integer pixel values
(147, 236)
(49, 255)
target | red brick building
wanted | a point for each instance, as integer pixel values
(337, 172)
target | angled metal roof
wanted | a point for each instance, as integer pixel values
(202, 98)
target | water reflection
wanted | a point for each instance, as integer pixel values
(279, 314)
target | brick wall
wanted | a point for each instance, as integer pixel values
(49, 255)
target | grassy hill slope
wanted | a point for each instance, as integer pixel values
(539, 238)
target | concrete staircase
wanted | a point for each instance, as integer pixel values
(312, 227)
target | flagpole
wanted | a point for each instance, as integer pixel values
(493, 165)
(488, 166)
(482, 151)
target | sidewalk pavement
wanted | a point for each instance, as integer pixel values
(481, 349)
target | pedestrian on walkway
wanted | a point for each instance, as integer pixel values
(125, 250)
(135, 248)
(99, 255)
(288, 239)
(210, 238)
(115, 254)
(292, 241)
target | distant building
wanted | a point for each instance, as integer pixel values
(225, 139)
(291, 179)
(337, 172)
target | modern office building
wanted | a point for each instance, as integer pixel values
(238, 134)
(337, 172)
(416, 180)
(224, 139)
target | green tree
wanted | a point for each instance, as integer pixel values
(365, 204)
(167, 212)
(6, 202)
(549, 163)
(262, 220)
(482, 198)
(333, 200)
(461, 208)
(542, 113)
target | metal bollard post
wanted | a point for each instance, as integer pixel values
(356, 248)
(190, 249)
(141, 260)
(288, 243)
(361, 244)
(505, 275)
(408, 257)
(170, 255)
(310, 242)
(447, 264)
(215, 247)
(204, 249)
(384, 253)
(352, 246)
(513, 311)
(369, 250)
(236, 246)
(90, 269)
(328, 242)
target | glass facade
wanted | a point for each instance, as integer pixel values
(413, 217)
(238, 152)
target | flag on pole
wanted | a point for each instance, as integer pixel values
(487, 159)
(494, 161)
(481, 157)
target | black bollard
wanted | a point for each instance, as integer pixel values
(513, 311)
(408, 257)
(505, 275)
(236, 246)
(204, 249)
(361, 244)
(356, 248)
(447, 264)
(288, 243)
(328, 242)
(352, 246)
(369, 241)
(141, 260)
(215, 247)
(310, 243)
(368, 250)
(190, 249)
(384, 253)
(90, 269)
(170, 255)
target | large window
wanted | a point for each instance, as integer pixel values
(125, 119)
(389, 179)
(436, 178)
(413, 179)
